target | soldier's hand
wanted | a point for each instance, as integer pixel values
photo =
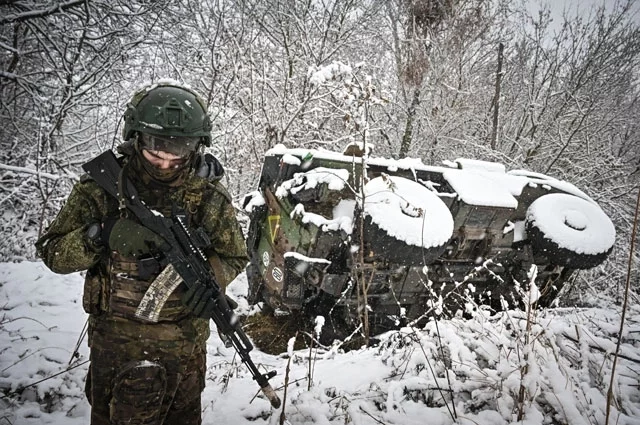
(131, 239)
(199, 300)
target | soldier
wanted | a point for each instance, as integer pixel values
(142, 372)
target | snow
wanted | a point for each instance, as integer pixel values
(400, 207)
(573, 223)
(151, 125)
(546, 181)
(477, 182)
(27, 170)
(358, 149)
(319, 323)
(343, 214)
(474, 367)
(290, 159)
(320, 75)
(335, 179)
(519, 231)
(572, 220)
(474, 164)
(148, 86)
(475, 188)
(306, 259)
(252, 200)
(344, 223)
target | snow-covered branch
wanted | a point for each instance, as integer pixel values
(24, 170)
(41, 13)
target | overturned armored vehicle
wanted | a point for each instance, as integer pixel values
(412, 240)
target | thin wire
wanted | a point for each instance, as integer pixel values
(20, 389)
(83, 333)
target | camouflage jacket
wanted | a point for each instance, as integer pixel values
(112, 286)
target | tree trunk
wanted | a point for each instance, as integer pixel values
(408, 129)
(496, 99)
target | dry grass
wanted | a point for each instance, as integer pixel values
(272, 333)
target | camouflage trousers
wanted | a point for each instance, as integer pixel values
(144, 375)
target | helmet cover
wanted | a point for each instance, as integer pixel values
(167, 110)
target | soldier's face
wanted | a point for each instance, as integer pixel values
(163, 160)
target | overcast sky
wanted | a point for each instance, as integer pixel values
(583, 6)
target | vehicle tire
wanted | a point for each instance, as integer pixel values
(404, 222)
(569, 231)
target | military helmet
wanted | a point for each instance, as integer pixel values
(167, 110)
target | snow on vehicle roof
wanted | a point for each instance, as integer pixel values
(474, 164)
(478, 188)
(498, 188)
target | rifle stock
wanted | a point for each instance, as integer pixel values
(185, 260)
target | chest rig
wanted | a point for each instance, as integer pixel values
(129, 278)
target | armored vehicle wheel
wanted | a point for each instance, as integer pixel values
(405, 223)
(569, 231)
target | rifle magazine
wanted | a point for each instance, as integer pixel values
(157, 294)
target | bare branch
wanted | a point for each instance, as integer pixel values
(41, 13)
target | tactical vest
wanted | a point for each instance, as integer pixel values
(126, 289)
(117, 286)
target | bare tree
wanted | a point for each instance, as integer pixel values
(286, 71)
(58, 65)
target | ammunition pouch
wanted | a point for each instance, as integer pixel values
(94, 296)
(148, 268)
(130, 279)
(138, 393)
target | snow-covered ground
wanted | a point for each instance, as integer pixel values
(484, 370)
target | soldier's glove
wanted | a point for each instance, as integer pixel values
(199, 300)
(208, 167)
(131, 239)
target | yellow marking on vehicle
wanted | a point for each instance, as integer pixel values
(274, 226)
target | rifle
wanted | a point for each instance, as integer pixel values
(186, 263)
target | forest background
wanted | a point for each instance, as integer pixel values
(494, 80)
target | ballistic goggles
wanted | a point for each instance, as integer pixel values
(182, 146)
